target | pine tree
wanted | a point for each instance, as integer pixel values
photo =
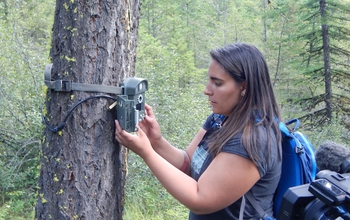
(324, 31)
(82, 167)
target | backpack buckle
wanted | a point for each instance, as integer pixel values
(299, 150)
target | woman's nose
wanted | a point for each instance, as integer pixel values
(207, 91)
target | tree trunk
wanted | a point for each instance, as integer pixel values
(326, 60)
(82, 167)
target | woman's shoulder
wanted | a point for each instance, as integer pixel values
(235, 145)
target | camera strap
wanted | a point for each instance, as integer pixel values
(68, 85)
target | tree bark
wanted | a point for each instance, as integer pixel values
(82, 167)
(326, 60)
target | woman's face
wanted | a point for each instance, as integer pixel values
(223, 92)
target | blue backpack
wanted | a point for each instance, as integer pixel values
(298, 161)
(298, 166)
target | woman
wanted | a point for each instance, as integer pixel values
(237, 150)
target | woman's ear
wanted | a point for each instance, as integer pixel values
(243, 88)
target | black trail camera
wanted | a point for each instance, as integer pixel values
(131, 105)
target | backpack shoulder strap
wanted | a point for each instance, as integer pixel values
(256, 205)
(263, 215)
(241, 209)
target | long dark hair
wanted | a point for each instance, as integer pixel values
(245, 63)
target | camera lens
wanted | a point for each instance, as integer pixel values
(140, 98)
(317, 210)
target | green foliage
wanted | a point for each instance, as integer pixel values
(334, 132)
(174, 81)
(24, 39)
(146, 198)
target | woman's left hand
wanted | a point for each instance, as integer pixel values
(138, 143)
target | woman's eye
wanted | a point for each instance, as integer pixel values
(217, 83)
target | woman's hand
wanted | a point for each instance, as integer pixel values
(150, 125)
(138, 143)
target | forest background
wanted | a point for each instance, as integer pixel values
(302, 41)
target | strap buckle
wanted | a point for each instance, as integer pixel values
(63, 86)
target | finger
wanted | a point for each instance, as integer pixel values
(119, 132)
(139, 131)
(149, 121)
(117, 126)
(143, 125)
(122, 137)
(142, 135)
(149, 111)
(117, 137)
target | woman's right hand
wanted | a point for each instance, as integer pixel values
(150, 126)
